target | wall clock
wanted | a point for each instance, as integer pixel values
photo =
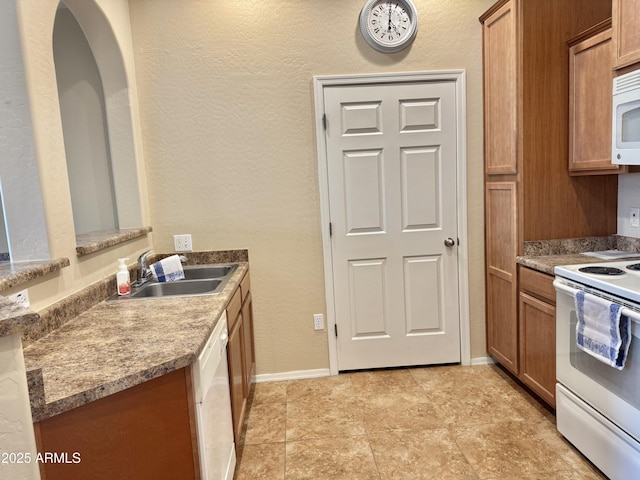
(389, 25)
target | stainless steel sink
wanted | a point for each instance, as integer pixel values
(197, 272)
(199, 280)
(184, 287)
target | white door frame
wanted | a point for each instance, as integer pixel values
(459, 78)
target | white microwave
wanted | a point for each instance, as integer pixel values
(625, 138)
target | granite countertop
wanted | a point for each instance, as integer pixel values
(119, 344)
(544, 255)
(546, 263)
(14, 318)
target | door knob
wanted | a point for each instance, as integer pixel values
(449, 242)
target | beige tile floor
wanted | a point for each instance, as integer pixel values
(441, 423)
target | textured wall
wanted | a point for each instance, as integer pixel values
(628, 197)
(16, 432)
(226, 105)
(34, 22)
(19, 177)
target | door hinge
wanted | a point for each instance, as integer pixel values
(324, 121)
(335, 328)
(330, 229)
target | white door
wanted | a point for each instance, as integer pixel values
(391, 161)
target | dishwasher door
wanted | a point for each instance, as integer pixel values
(213, 407)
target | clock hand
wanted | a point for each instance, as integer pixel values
(389, 27)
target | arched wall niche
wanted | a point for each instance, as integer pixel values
(105, 24)
(118, 107)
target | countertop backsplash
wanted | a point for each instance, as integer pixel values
(544, 255)
(36, 325)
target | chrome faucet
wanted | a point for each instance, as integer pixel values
(144, 272)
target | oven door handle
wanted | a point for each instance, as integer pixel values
(627, 312)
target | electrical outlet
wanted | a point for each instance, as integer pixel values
(318, 321)
(634, 214)
(182, 243)
(21, 298)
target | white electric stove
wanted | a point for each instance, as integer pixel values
(597, 406)
(620, 278)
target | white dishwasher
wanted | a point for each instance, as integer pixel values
(213, 407)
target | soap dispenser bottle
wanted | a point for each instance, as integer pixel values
(123, 279)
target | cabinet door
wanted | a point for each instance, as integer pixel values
(501, 249)
(626, 31)
(538, 346)
(500, 90)
(143, 432)
(249, 348)
(236, 377)
(590, 91)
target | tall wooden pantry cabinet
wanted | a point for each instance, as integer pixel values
(529, 194)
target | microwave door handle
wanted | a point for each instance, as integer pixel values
(627, 312)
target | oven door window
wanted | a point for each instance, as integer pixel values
(628, 125)
(623, 383)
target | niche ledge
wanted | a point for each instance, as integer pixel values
(14, 274)
(95, 241)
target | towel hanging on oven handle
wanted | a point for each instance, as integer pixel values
(627, 312)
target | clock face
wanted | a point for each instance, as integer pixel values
(389, 25)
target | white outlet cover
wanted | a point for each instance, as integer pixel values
(634, 214)
(182, 243)
(21, 298)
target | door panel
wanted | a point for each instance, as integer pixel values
(391, 161)
(368, 292)
(420, 188)
(363, 174)
(422, 279)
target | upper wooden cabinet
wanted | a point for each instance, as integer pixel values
(526, 118)
(590, 90)
(626, 32)
(500, 100)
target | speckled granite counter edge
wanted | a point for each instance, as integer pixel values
(95, 241)
(40, 410)
(14, 274)
(15, 318)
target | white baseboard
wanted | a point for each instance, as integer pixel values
(295, 375)
(482, 361)
(325, 372)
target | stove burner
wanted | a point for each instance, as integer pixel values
(603, 270)
(635, 267)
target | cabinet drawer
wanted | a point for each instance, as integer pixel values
(245, 286)
(537, 284)
(233, 308)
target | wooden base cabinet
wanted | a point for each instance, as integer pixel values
(145, 432)
(240, 354)
(537, 333)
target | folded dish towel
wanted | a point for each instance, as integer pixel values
(602, 330)
(168, 269)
